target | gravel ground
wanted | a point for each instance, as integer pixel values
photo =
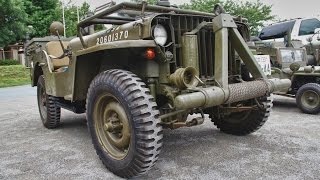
(286, 147)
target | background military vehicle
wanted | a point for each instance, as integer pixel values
(289, 61)
(313, 48)
(149, 71)
(307, 30)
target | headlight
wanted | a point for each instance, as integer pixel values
(160, 34)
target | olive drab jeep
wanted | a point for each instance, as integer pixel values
(153, 67)
(290, 61)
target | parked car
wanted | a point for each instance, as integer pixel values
(301, 29)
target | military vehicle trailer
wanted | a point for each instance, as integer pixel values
(291, 62)
(153, 68)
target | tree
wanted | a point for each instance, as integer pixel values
(41, 14)
(12, 21)
(17, 16)
(256, 12)
(151, 2)
(72, 17)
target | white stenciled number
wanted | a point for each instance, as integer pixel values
(101, 40)
(126, 34)
(113, 37)
(121, 33)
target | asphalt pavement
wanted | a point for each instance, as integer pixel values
(286, 147)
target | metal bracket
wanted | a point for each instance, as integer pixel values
(199, 27)
(223, 21)
(226, 33)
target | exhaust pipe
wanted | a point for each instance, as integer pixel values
(214, 96)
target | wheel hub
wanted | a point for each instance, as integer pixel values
(113, 124)
(310, 99)
(113, 127)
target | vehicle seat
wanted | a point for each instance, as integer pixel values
(54, 49)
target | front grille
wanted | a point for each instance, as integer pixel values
(180, 24)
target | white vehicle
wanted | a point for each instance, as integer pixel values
(301, 29)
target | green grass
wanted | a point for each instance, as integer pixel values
(14, 75)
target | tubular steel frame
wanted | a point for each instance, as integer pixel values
(103, 16)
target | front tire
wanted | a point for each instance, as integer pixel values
(308, 98)
(246, 122)
(50, 113)
(124, 123)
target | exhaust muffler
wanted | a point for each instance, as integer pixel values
(214, 96)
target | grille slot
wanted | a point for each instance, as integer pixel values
(185, 23)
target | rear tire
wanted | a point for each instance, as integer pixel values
(49, 112)
(124, 123)
(246, 122)
(308, 98)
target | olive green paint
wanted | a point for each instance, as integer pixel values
(123, 46)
